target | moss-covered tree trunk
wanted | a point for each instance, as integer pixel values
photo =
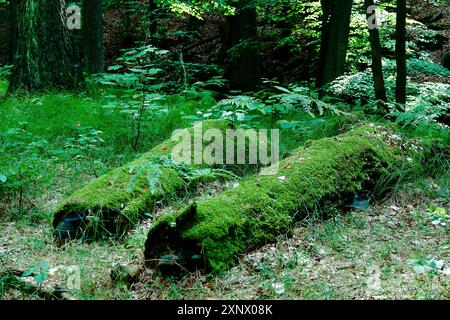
(400, 52)
(93, 54)
(377, 65)
(44, 56)
(242, 64)
(116, 201)
(213, 233)
(334, 40)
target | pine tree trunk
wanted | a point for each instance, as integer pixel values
(377, 66)
(93, 54)
(335, 32)
(44, 56)
(400, 52)
(242, 67)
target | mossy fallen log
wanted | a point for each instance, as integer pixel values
(212, 233)
(117, 200)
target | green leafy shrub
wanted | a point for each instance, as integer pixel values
(417, 67)
(250, 111)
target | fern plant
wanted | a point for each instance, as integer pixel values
(238, 108)
(302, 99)
(428, 107)
(153, 170)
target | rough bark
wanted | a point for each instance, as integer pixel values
(327, 9)
(334, 40)
(377, 65)
(446, 58)
(400, 52)
(93, 53)
(242, 65)
(44, 57)
(153, 18)
(13, 28)
(213, 233)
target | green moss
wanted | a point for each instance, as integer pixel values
(327, 171)
(120, 198)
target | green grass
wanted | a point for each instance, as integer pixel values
(56, 142)
(54, 116)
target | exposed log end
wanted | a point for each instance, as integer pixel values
(112, 203)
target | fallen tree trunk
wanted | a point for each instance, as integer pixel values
(112, 203)
(212, 233)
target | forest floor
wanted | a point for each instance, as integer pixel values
(397, 249)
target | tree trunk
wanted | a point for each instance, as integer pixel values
(13, 28)
(111, 204)
(327, 9)
(242, 67)
(377, 66)
(93, 54)
(334, 41)
(153, 23)
(213, 233)
(400, 52)
(44, 56)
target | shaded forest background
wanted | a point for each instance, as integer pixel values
(287, 35)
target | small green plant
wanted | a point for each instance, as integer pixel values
(237, 108)
(427, 266)
(437, 216)
(139, 109)
(38, 271)
(303, 99)
(22, 166)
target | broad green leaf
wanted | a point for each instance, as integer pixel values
(28, 272)
(116, 67)
(40, 278)
(284, 124)
(283, 89)
(137, 70)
